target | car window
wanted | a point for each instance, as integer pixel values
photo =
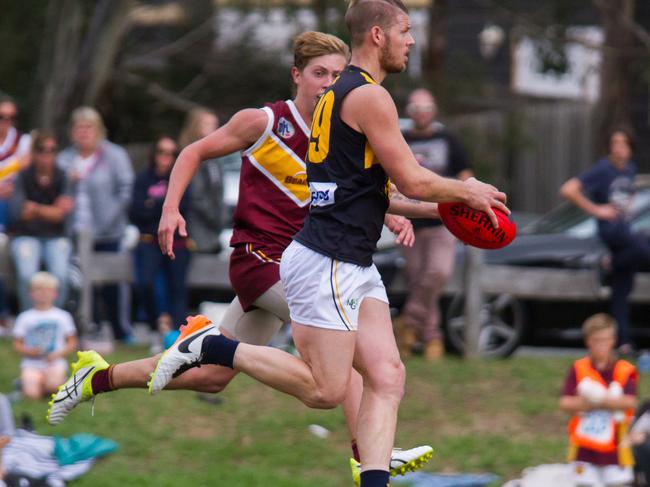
(642, 224)
(571, 220)
(641, 202)
(565, 218)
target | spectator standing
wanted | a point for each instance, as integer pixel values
(430, 262)
(206, 211)
(149, 193)
(606, 191)
(44, 335)
(14, 147)
(600, 392)
(38, 208)
(101, 175)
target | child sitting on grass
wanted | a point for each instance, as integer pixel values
(44, 335)
(600, 391)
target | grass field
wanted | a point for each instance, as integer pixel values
(480, 416)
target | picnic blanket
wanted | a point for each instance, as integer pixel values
(35, 456)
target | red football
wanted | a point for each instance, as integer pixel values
(474, 228)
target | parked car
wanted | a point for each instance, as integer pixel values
(561, 249)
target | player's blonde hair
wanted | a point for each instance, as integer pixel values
(44, 280)
(598, 322)
(309, 45)
(362, 15)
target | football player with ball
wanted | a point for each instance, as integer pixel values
(338, 304)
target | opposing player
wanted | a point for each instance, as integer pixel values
(338, 303)
(273, 202)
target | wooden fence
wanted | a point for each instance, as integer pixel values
(530, 149)
(475, 279)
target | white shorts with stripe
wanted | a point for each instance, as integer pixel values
(325, 292)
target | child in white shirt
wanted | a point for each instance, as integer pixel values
(44, 335)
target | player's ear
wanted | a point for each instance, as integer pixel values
(295, 74)
(377, 35)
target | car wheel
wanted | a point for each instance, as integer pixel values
(502, 325)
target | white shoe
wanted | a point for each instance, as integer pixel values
(184, 354)
(401, 461)
(78, 388)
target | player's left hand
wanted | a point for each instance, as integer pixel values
(402, 228)
(170, 221)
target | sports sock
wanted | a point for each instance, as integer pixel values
(218, 350)
(102, 381)
(375, 478)
(355, 451)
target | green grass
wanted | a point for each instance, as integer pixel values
(480, 416)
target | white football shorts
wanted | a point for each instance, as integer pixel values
(325, 292)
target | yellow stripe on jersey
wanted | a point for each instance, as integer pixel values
(283, 169)
(368, 78)
(369, 158)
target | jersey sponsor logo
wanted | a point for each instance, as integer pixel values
(286, 129)
(298, 178)
(322, 194)
(283, 167)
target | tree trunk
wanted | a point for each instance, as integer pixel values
(56, 66)
(616, 73)
(75, 63)
(437, 43)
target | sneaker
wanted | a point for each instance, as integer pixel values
(356, 471)
(78, 388)
(184, 354)
(401, 461)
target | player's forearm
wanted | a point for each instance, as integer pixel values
(401, 205)
(185, 168)
(425, 185)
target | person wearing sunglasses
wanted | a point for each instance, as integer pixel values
(38, 208)
(149, 193)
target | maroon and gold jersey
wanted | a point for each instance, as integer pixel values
(273, 192)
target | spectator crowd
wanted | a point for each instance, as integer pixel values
(50, 194)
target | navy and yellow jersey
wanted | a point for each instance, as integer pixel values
(349, 188)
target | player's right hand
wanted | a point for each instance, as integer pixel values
(484, 197)
(170, 221)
